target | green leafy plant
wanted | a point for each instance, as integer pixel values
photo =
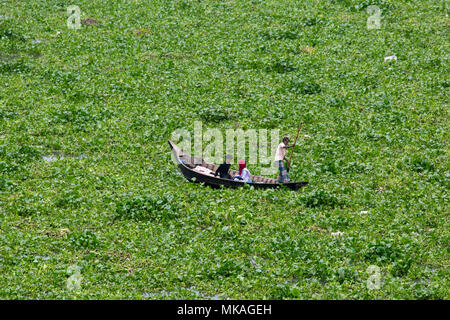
(305, 87)
(85, 239)
(106, 98)
(320, 198)
(147, 207)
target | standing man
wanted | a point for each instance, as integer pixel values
(280, 156)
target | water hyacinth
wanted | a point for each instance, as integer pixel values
(92, 207)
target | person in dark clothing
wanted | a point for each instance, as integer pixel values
(223, 169)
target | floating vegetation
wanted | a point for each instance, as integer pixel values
(87, 181)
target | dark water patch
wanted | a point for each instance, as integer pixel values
(41, 258)
(156, 295)
(51, 158)
(56, 157)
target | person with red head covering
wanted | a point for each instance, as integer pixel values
(244, 174)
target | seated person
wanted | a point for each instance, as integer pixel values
(223, 169)
(244, 174)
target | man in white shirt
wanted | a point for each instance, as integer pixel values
(280, 155)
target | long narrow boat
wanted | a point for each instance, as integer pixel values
(197, 170)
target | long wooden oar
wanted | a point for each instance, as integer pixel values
(293, 146)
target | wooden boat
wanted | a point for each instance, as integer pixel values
(197, 170)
